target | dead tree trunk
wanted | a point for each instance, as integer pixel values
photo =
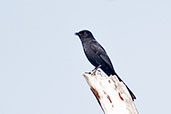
(111, 94)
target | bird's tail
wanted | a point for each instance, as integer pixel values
(112, 72)
(131, 93)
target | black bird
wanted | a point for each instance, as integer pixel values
(97, 56)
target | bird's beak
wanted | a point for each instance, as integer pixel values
(77, 33)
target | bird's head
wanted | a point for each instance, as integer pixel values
(84, 34)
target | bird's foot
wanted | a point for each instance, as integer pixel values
(93, 72)
(88, 72)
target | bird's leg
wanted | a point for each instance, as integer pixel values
(95, 69)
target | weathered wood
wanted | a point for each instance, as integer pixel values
(111, 94)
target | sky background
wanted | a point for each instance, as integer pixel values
(42, 61)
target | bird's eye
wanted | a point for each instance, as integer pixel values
(85, 34)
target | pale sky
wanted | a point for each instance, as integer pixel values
(42, 61)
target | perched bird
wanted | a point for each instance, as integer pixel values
(97, 56)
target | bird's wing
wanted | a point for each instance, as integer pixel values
(99, 50)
